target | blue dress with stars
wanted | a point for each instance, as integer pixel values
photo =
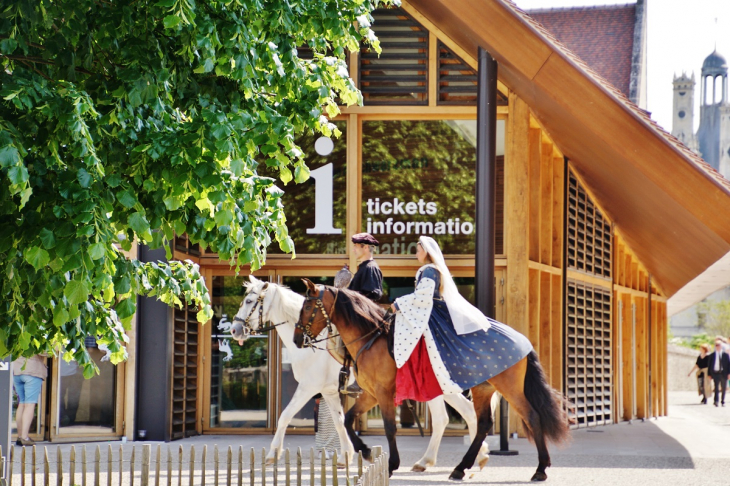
(467, 359)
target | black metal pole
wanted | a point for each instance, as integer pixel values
(486, 203)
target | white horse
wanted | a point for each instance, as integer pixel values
(318, 372)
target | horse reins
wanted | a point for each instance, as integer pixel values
(260, 305)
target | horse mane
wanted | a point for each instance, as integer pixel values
(359, 311)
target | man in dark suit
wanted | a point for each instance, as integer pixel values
(719, 368)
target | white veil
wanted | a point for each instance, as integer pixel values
(466, 317)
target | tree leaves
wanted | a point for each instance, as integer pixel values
(142, 121)
(9, 156)
(37, 256)
(76, 292)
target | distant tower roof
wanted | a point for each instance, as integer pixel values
(715, 63)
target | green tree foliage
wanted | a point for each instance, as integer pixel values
(714, 318)
(124, 120)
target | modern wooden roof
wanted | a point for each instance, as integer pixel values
(671, 207)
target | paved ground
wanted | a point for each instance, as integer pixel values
(689, 447)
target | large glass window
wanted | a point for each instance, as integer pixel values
(418, 179)
(316, 209)
(87, 405)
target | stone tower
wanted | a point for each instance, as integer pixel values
(713, 135)
(683, 115)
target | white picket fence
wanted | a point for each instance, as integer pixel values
(32, 466)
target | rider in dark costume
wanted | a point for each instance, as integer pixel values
(368, 279)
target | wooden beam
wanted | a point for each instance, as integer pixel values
(546, 200)
(432, 70)
(546, 344)
(535, 148)
(558, 184)
(556, 329)
(545, 268)
(354, 165)
(642, 359)
(516, 212)
(588, 278)
(627, 363)
(534, 309)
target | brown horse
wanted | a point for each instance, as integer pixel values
(361, 326)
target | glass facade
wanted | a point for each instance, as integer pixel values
(418, 179)
(316, 209)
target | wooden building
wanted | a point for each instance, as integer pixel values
(601, 216)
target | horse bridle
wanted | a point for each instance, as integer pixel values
(309, 338)
(246, 326)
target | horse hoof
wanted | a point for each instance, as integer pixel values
(418, 468)
(367, 454)
(539, 476)
(483, 462)
(456, 475)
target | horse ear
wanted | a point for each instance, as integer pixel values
(252, 279)
(310, 285)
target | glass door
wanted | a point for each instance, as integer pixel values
(240, 388)
(247, 386)
(304, 419)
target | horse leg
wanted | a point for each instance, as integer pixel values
(465, 408)
(439, 421)
(387, 409)
(298, 400)
(364, 403)
(482, 398)
(333, 401)
(511, 383)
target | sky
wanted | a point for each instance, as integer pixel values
(680, 35)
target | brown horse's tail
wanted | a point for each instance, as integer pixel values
(549, 404)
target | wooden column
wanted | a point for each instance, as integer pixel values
(516, 216)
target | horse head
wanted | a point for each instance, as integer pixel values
(314, 316)
(252, 314)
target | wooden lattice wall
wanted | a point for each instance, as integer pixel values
(588, 351)
(185, 373)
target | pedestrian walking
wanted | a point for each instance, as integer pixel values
(719, 366)
(28, 376)
(703, 377)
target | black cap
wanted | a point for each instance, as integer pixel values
(365, 239)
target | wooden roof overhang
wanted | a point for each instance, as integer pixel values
(672, 209)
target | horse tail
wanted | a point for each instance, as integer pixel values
(548, 403)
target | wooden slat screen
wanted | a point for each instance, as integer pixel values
(589, 234)
(457, 81)
(400, 74)
(185, 372)
(588, 357)
(183, 244)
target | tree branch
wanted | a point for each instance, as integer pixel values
(37, 71)
(37, 60)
